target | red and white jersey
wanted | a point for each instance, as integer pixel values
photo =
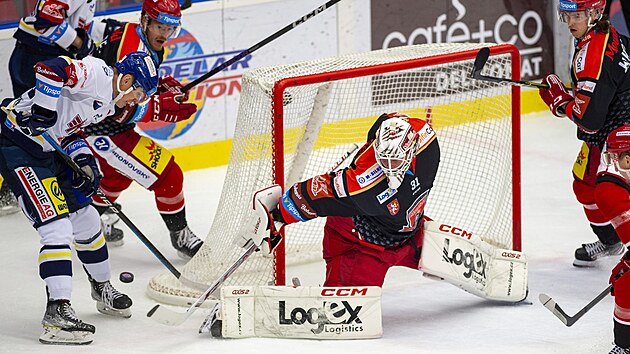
(80, 14)
(86, 96)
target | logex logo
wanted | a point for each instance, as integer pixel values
(471, 260)
(331, 317)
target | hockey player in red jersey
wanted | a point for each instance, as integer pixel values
(374, 207)
(597, 105)
(613, 198)
(68, 95)
(125, 155)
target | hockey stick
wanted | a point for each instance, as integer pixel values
(118, 212)
(186, 4)
(258, 45)
(480, 62)
(568, 321)
(169, 317)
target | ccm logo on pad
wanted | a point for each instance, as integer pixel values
(344, 292)
(455, 231)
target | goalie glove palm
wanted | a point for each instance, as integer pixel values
(266, 229)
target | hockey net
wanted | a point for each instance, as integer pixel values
(296, 121)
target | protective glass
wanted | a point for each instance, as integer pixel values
(575, 16)
(610, 157)
(168, 31)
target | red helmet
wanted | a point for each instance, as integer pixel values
(618, 140)
(581, 5)
(164, 11)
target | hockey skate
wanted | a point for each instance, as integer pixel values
(589, 253)
(619, 350)
(109, 300)
(61, 325)
(185, 242)
(113, 236)
(8, 203)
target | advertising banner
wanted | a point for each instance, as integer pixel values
(520, 22)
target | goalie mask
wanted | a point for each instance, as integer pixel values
(618, 147)
(395, 147)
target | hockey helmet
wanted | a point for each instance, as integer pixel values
(163, 11)
(394, 148)
(141, 66)
(618, 141)
(590, 8)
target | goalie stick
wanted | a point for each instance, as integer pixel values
(120, 214)
(568, 321)
(169, 317)
(480, 61)
(258, 45)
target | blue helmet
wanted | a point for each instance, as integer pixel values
(141, 66)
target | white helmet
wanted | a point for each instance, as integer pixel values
(395, 147)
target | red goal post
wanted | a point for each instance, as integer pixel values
(295, 121)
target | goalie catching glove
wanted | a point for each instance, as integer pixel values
(267, 220)
(168, 104)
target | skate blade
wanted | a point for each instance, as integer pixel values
(59, 336)
(584, 264)
(106, 310)
(8, 210)
(116, 243)
(183, 256)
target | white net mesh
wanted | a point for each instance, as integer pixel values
(324, 118)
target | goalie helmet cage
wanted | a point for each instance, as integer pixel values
(295, 121)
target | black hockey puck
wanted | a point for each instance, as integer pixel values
(126, 277)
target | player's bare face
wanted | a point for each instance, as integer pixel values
(158, 33)
(624, 166)
(577, 22)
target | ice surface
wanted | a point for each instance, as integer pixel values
(419, 315)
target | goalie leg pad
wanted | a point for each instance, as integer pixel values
(468, 262)
(301, 312)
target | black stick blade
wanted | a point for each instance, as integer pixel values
(186, 4)
(480, 61)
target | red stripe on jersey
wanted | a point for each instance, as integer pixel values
(130, 42)
(588, 62)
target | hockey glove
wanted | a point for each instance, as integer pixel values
(166, 107)
(88, 180)
(37, 121)
(622, 267)
(87, 47)
(556, 96)
(51, 14)
(268, 220)
(168, 83)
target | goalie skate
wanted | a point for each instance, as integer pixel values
(61, 326)
(110, 301)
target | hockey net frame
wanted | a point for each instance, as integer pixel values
(275, 153)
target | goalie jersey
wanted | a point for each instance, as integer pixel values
(383, 217)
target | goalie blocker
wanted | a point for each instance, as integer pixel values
(297, 312)
(465, 260)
